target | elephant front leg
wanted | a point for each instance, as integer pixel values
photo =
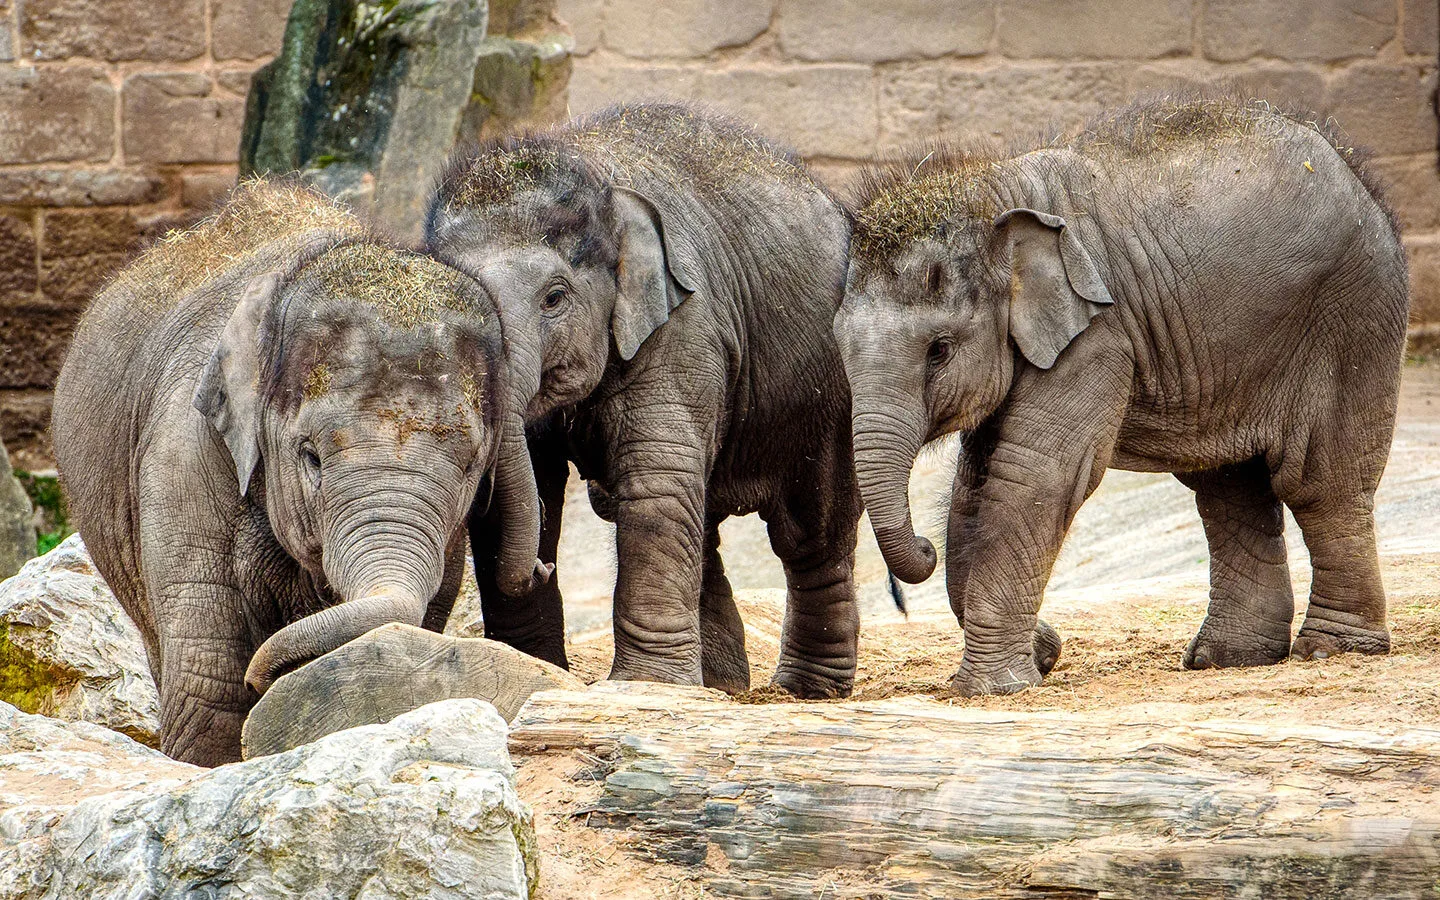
(1251, 602)
(204, 647)
(657, 589)
(1054, 440)
(723, 660)
(960, 541)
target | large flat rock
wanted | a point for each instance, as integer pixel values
(389, 671)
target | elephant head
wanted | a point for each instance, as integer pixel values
(944, 285)
(363, 398)
(581, 268)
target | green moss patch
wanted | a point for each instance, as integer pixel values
(26, 683)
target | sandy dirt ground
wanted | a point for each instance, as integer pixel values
(1127, 595)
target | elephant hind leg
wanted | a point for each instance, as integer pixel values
(724, 663)
(814, 535)
(1251, 602)
(1347, 599)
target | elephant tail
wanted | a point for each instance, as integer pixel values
(896, 594)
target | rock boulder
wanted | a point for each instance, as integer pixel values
(387, 672)
(68, 650)
(423, 806)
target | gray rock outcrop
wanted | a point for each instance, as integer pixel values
(17, 520)
(68, 650)
(367, 99)
(421, 807)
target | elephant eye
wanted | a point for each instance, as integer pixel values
(554, 298)
(310, 462)
(939, 352)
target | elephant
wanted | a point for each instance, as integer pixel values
(272, 428)
(672, 278)
(1197, 285)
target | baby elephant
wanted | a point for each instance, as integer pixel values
(671, 277)
(272, 428)
(1203, 287)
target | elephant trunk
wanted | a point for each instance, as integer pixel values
(385, 554)
(518, 570)
(885, 451)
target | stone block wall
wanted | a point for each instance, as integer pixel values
(118, 121)
(846, 81)
(121, 118)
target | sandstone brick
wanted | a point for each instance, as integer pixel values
(911, 105)
(1314, 29)
(1094, 29)
(25, 427)
(82, 249)
(1422, 27)
(1412, 188)
(205, 190)
(1389, 108)
(1424, 256)
(817, 110)
(7, 42)
(586, 19)
(866, 31)
(33, 340)
(153, 30)
(1281, 84)
(683, 28)
(56, 114)
(246, 29)
(18, 275)
(602, 81)
(236, 81)
(79, 187)
(1022, 101)
(178, 118)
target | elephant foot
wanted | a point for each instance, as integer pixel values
(810, 682)
(1220, 645)
(1046, 642)
(1332, 639)
(652, 668)
(1016, 675)
(726, 672)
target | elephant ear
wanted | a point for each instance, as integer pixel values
(1055, 289)
(651, 279)
(229, 386)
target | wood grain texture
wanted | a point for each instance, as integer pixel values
(387, 672)
(914, 797)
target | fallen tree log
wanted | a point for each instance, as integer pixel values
(917, 798)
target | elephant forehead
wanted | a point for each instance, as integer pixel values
(403, 289)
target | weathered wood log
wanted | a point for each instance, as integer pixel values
(914, 797)
(390, 671)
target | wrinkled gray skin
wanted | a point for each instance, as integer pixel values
(678, 278)
(238, 508)
(1227, 305)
